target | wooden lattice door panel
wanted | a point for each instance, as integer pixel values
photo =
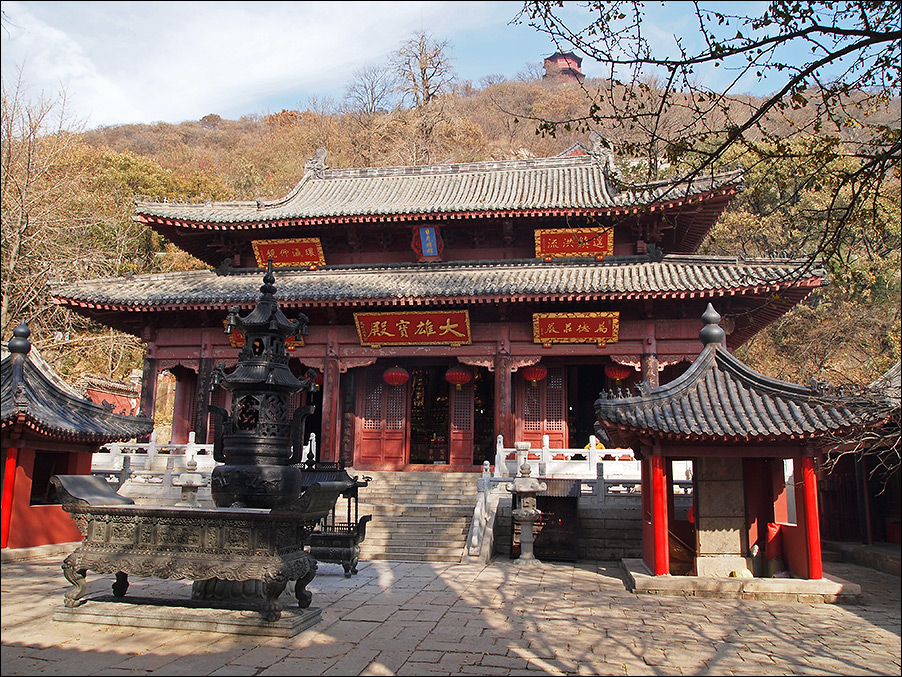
(461, 425)
(542, 410)
(383, 421)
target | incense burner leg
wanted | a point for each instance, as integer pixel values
(121, 584)
(350, 564)
(76, 577)
(272, 588)
(304, 596)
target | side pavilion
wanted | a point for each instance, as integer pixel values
(47, 428)
(753, 441)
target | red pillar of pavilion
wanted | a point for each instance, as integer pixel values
(812, 521)
(659, 516)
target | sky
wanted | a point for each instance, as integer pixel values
(147, 62)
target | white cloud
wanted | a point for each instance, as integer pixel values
(126, 62)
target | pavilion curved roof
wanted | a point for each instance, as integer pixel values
(571, 185)
(720, 399)
(35, 398)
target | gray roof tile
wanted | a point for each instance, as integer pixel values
(33, 395)
(720, 398)
(404, 284)
(547, 184)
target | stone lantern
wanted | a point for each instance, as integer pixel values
(258, 442)
(526, 487)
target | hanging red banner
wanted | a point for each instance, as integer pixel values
(560, 242)
(299, 251)
(601, 328)
(440, 327)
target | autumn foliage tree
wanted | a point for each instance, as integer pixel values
(67, 214)
(838, 101)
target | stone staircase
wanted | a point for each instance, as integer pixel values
(417, 516)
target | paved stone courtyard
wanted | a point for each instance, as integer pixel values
(402, 618)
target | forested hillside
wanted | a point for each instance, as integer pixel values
(68, 198)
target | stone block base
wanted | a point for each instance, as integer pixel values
(722, 565)
(187, 615)
(828, 590)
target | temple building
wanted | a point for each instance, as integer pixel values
(563, 66)
(447, 304)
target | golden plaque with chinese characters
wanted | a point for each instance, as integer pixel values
(600, 327)
(434, 327)
(290, 252)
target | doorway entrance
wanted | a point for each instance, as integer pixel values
(427, 420)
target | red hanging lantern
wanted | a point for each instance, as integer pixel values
(396, 376)
(535, 373)
(318, 379)
(458, 376)
(618, 372)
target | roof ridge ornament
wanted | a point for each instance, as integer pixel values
(317, 164)
(603, 153)
(20, 343)
(711, 333)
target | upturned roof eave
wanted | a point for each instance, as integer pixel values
(353, 301)
(642, 413)
(38, 427)
(33, 400)
(801, 438)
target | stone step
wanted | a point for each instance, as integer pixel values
(402, 498)
(417, 524)
(412, 556)
(416, 516)
(414, 544)
(414, 509)
(424, 529)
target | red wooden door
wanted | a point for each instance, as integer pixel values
(383, 423)
(541, 410)
(460, 431)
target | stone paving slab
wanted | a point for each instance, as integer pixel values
(406, 618)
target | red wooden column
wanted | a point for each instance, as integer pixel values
(650, 356)
(504, 420)
(9, 485)
(812, 521)
(148, 389)
(183, 404)
(659, 516)
(330, 428)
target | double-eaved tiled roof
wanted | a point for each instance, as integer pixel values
(718, 398)
(35, 398)
(556, 185)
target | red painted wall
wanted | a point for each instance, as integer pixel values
(33, 525)
(795, 549)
